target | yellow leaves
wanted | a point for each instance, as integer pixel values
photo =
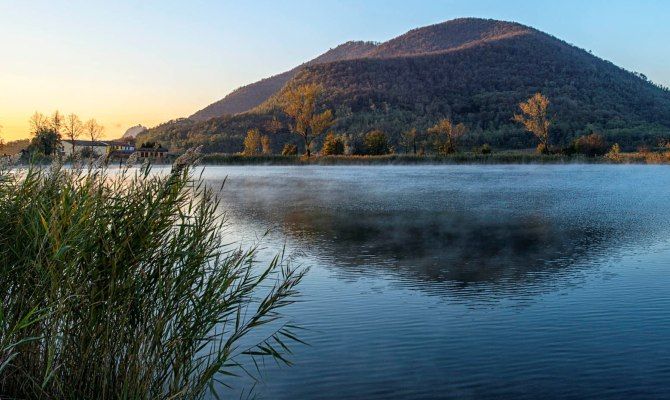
(321, 122)
(534, 117)
(300, 104)
(446, 134)
(252, 143)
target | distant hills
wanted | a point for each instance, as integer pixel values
(475, 71)
(132, 132)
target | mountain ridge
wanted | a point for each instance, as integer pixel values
(472, 70)
(249, 96)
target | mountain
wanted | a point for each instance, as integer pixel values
(250, 96)
(475, 71)
(132, 132)
(448, 36)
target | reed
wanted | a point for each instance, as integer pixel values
(120, 285)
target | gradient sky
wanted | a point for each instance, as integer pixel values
(131, 62)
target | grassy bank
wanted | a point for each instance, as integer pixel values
(120, 286)
(460, 158)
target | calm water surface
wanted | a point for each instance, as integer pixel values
(467, 281)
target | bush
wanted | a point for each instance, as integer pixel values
(485, 149)
(289, 150)
(122, 287)
(332, 145)
(614, 154)
(376, 143)
(591, 145)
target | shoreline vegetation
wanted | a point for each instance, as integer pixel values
(124, 285)
(508, 157)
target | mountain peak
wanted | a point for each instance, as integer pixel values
(448, 36)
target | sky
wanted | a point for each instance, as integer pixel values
(146, 62)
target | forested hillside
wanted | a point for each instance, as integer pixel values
(473, 71)
(250, 96)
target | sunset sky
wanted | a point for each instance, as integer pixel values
(146, 62)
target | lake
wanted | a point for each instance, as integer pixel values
(474, 282)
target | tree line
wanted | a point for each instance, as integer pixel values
(306, 120)
(48, 131)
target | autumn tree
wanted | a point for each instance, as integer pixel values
(535, 119)
(408, 140)
(93, 130)
(73, 129)
(266, 145)
(376, 143)
(252, 143)
(301, 106)
(332, 145)
(289, 150)
(446, 135)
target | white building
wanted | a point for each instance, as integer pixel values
(70, 146)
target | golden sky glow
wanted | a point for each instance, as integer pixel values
(146, 62)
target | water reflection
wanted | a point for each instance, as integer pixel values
(445, 226)
(468, 282)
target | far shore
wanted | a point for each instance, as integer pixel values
(459, 158)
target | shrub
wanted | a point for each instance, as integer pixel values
(289, 150)
(376, 143)
(615, 153)
(485, 149)
(591, 145)
(122, 287)
(332, 145)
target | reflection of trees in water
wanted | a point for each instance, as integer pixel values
(462, 249)
(361, 232)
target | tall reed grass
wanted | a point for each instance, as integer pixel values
(120, 285)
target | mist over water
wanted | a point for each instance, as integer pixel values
(467, 281)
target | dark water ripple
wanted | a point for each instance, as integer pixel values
(468, 281)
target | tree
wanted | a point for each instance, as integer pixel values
(376, 143)
(93, 130)
(266, 145)
(535, 119)
(38, 122)
(252, 143)
(46, 141)
(332, 145)
(73, 128)
(56, 121)
(446, 136)
(300, 105)
(408, 140)
(289, 150)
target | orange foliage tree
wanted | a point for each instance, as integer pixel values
(535, 119)
(301, 104)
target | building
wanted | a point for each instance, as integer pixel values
(93, 148)
(120, 148)
(154, 152)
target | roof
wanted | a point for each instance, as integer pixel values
(88, 143)
(120, 143)
(154, 149)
